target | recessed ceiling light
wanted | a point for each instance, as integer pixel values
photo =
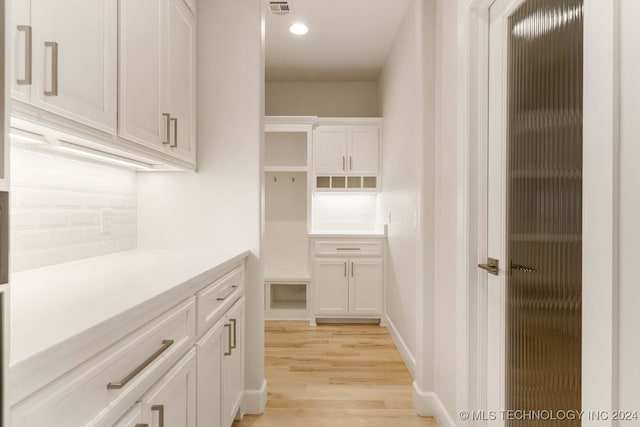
(299, 29)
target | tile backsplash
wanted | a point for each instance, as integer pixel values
(56, 204)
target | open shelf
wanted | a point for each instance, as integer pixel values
(286, 300)
(285, 169)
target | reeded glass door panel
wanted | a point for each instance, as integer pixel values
(544, 202)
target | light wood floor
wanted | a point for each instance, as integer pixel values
(334, 376)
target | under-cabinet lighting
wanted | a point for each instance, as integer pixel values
(19, 135)
(299, 29)
(101, 156)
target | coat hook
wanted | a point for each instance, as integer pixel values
(293, 179)
(275, 179)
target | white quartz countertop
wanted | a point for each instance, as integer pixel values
(51, 305)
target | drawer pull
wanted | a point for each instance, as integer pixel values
(228, 353)
(348, 249)
(233, 289)
(160, 410)
(142, 425)
(117, 386)
(233, 346)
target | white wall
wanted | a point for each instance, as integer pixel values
(400, 195)
(323, 99)
(55, 208)
(446, 204)
(629, 293)
(219, 207)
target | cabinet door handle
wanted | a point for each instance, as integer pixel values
(345, 269)
(351, 269)
(175, 133)
(228, 353)
(350, 163)
(167, 116)
(235, 323)
(160, 410)
(118, 385)
(28, 40)
(233, 289)
(142, 425)
(54, 69)
(343, 163)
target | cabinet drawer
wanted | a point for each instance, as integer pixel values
(213, 300)
(109, 383)
(348, 248)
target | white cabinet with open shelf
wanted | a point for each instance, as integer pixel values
(346, 157)
(286, 218)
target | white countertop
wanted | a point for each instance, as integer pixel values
(53, 304)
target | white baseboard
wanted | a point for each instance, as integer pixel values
(255, 400)
(408, 358)
(428, 404)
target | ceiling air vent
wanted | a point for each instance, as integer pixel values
(279, 7)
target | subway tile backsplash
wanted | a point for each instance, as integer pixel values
(56, 203)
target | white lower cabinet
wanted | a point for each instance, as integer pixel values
(172, 401)
(160, 375)
(220, 370)
(348, 279)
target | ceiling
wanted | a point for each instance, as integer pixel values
(348, 40)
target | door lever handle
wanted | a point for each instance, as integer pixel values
(492, 266)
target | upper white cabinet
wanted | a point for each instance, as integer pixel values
(65, 58)
(346, 157)
(158, 76)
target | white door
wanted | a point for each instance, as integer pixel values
(209, 354)
(331, 283)
(172, 401)
(366, 286)
(22, 50)
(75, 60)
(181, 66)
(142, 116)
(232, 364)
(330, 150)
(364, 150)
(496, 205)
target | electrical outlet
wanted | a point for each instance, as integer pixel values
(106, 220)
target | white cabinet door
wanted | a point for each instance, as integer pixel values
(181, 69)
(364, 150)
(172, 401)
(366, 286)
(330, 150)
(75, 60)
(209, 354)
(133, 418)
(21, 47)
(331, 285)
(233, 363)
(142, 73)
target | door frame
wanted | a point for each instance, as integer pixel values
(600, 206)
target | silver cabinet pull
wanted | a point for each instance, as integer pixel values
(167, 116)
(160, 410)
(28, 40)
(350, 163)
(233, 346)
(352, 269)
(233, 289)
(492, 266)
(347, 249)
(118, 385)
(345, 269)
(175, 133)
(343, 163)
(54, 69)
(228, 353)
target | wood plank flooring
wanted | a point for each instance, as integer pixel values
(334, 376)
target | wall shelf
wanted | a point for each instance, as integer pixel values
(285, 169)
